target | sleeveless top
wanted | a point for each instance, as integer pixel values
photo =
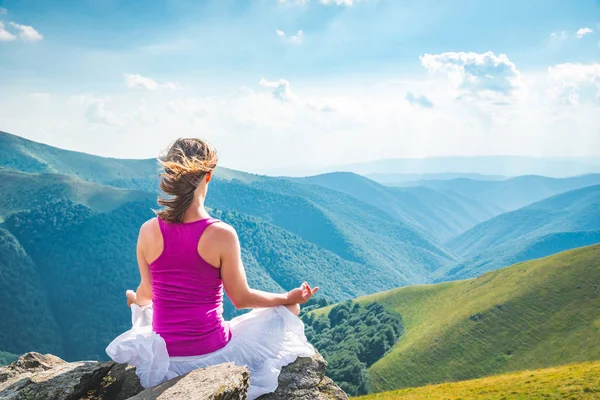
(187, 293)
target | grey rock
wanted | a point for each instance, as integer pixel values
(219, 382)
(305, 379)
(50, 378)
(35, 376)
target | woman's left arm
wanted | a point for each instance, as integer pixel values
(143, 295)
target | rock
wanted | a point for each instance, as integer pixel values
(220, 382)
(305, 379)
(36, 376)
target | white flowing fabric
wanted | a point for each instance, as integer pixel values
(265, 340)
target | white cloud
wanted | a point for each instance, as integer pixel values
(558, 36)
(5, 36)
(281, 90)
(337, 2)
(475, 73)
(298, 38)
(583, 31)
(574, 83)
(138, 81)
(27, 33)
(418, 100)
(97, 113)
(41, 96)
(3, 11)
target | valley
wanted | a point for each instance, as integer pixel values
(69, 223)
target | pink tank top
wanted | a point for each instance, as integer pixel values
(187, 293)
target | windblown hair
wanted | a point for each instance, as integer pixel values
(185, 164)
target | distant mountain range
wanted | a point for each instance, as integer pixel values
(480, 165)
(69, 222)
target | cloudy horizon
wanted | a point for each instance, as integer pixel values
(297, 83)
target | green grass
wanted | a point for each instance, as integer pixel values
(534, 314)
(575, 381)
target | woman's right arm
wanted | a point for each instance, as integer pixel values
(236, 285)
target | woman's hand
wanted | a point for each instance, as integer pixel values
(131, 297)
(302, 294)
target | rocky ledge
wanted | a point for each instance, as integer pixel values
(35, 376)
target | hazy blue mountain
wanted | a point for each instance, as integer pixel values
(439, 214)
(392, 179)
(484, 165)
(558, 223)
(577, 210)
(514, 193)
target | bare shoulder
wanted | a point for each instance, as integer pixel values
(150, 229)
(222, 232)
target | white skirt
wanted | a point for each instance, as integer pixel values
(264, 340)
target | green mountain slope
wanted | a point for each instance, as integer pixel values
(394, 251)
(20, 191)
(26, 322)
(372, 237)
(86, 261)
(531, 315)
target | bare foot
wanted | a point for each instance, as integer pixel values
(131, 297)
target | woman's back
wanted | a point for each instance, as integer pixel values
(187, 292)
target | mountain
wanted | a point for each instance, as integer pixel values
(514, 193)
(535, 314)
(392, 250)
(482, 165)
(560, 222)
(579, 381)
(395, 179)
(21, 190)
(439, 214)
(69, 238)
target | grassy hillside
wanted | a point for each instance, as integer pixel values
(574, 381)
(531, 315)
(440, 214)
(513, 193)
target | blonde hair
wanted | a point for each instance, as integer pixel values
(185, 164)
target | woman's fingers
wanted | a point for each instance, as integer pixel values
(315, 290)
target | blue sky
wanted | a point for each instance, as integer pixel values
(304, 83)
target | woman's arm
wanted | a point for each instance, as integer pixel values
(236, 285)
(143, 295)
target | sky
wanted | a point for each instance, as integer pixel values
(281, 85)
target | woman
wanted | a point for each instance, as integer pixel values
(186, 258)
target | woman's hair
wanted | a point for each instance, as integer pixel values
(185, 164)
